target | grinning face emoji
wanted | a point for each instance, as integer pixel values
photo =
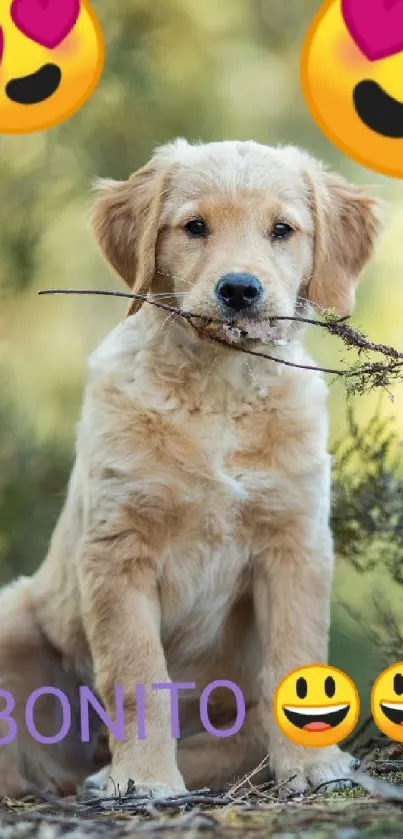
(316, 706)
(387, 702)
(51, 58)
(352, 77)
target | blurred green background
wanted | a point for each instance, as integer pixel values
(205, 70)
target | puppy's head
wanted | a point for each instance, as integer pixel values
(238, 230)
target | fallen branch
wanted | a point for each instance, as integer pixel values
(366, 376)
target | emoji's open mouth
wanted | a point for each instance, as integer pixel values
(393, 711)
(316, 719)
(30, 90)
(377, 110)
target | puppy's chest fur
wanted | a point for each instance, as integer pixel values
(209, 475)
(217, 483)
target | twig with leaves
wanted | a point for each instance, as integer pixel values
(360, 378)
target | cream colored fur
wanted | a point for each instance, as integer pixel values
(194, 543)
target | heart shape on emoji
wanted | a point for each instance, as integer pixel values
(47, 22)
(376, 26)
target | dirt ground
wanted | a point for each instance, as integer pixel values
(372, 810)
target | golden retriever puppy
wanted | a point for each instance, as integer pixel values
(194, 544)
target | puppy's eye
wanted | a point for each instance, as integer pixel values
(281, 230)
(196, 228)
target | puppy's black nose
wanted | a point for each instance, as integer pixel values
(239, 291)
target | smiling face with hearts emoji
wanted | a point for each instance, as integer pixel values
(352, 77)
(51, 59)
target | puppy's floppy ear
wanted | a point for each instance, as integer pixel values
(347, 224)
(126, 222)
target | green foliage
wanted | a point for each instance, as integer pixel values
(32, 480)
(367, 513)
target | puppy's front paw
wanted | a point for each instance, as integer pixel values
(98, 781)
(120, 784)
(332, 767)
(325, 766)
